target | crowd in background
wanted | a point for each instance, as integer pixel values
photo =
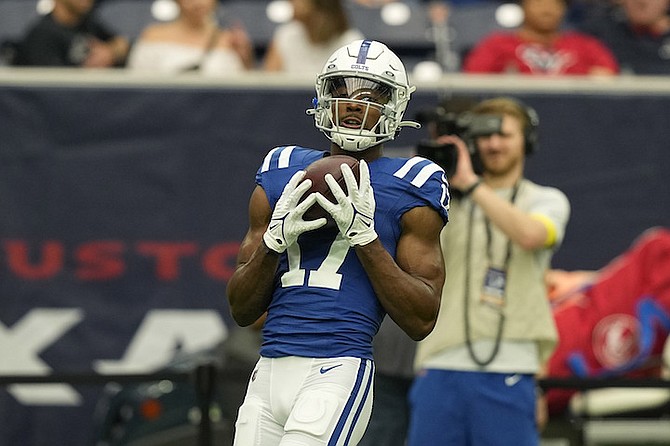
(549, 37)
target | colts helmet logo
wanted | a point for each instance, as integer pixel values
(362, 57)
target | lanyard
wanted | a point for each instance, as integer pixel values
(466, 303)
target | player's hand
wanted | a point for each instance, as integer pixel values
(286, 223)
(354, 212)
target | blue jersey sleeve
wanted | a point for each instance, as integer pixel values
(405, 183)
(280, 164)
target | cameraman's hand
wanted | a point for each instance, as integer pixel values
(464, 176)
(286, 223)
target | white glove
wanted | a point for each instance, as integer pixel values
(354, 213)
(286, 223)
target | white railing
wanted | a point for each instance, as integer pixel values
(620, 85)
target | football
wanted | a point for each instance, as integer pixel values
(317, 172)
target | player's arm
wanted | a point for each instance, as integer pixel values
(249, 290)
(409, 287)
(270, 232)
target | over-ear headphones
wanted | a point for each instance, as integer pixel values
(528, 115)
(531, 124)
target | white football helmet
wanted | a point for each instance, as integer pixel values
(360, 81)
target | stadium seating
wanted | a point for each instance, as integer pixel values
(413, 40)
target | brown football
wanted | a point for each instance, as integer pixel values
(317, 172)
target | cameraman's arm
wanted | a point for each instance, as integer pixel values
(525, 230)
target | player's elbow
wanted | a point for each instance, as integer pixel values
(422, 331)
(423, 326)
(243, 319)
(417, 327)
(424, 322)
(243, 315)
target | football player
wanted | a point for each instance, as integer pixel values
(324, 291)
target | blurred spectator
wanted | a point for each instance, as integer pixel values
(445, 54)
(70, 36)
(318, 28)
(541, 46)
(194, 41)
(637, 32)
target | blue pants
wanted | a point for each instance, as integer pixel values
(452, 408)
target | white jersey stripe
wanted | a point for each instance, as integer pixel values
(404, 170)
(266, 161)
(285, 157)
(425, 173)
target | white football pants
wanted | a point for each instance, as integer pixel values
(296, 401)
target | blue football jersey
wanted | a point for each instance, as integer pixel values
(323, 303)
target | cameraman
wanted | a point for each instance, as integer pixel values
(495, 331)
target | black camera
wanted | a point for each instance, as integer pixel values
(465, 125)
